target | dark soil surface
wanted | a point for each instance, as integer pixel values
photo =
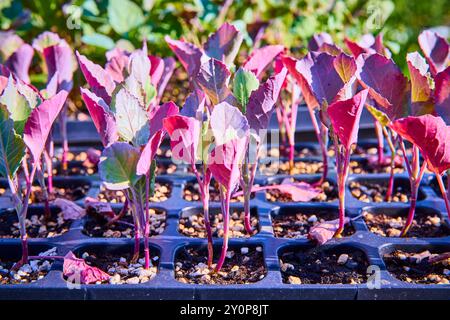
(320, 267)
(120, 267)
(330, 194)
(97, 226)
(416, 268)
(191, 193)
(37, 226)
(162, 193)
(297, 226)
(364, 167)
(194, 225)
(163, 168)
(423, 226)
(242, 266)
(300, 167)
(35, 270)
(358, 151)
(372, 192)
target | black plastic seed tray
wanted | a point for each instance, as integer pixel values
(167, 245)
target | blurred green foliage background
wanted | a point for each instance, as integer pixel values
(94, 26)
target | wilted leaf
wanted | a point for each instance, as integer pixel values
(70, 209)
(79, 271)
(102, 208)
(323, 232)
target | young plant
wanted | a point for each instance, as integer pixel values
(131, 128)
(226, 159)
(387, 87)
(208, 69)
(320, 84)
(431, 136)
(189, 142)
(60, 63)
(26, 120)
(15, 54)
(344, 116)
(287, 113)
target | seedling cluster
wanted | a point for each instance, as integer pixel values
(220, 132)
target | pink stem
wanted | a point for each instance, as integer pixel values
(49, 165)
(379, 133)
(147, 223)
(204, 195)
(443, 192)
(226, 218)
(63, 123)
(320, 134)
(412, 210)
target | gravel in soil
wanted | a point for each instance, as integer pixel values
(329, 194)
(75, 168)
(300, 167)
(415, 267)
(369, 192)
(284, 152)
(192, 193)
(423, 226)
(70, 193)
(97, 226)
(316, 266)
(297, 225)
(121, 269)
(194, 225)
(363, 167)
(242, 266)
(165, 168)
(37, 226)
(162, 193)
(31, 272)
